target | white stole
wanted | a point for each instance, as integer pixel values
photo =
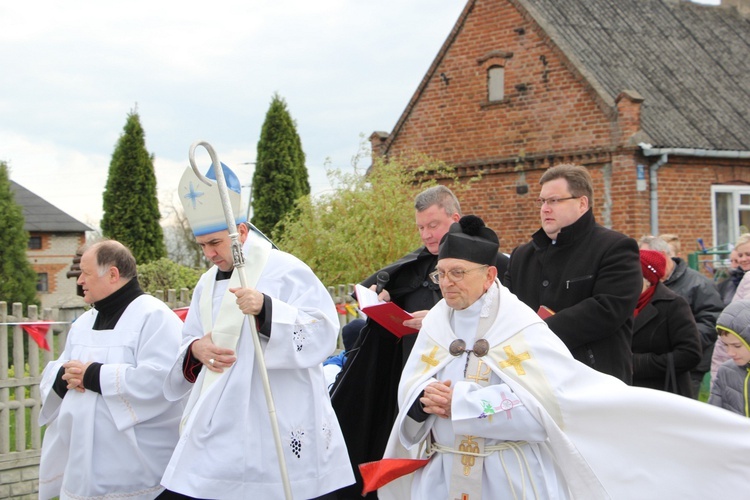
(226, 327)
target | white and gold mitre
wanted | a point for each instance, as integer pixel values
(202, 203)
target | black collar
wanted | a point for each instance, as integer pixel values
(568, 234)
(110, 308)
(223, 275)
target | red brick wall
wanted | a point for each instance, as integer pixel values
(685, 196)
(557, 118)
(453, 122)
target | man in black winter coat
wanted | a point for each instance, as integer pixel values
(589, 277)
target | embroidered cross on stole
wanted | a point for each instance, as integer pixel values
(468, 464)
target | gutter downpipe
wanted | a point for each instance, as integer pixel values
(654, 192)
(649, 150)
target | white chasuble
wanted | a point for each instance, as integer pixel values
(226, 449)
(595, 436)
(115, 444)
(523, 469)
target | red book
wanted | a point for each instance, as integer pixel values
(545, 312)
(386, 314)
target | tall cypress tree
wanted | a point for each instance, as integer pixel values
(131, 208)
(281, 176)
(17, 277)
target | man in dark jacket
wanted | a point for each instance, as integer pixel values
(588, 276)
(700, 292)
(364, 395)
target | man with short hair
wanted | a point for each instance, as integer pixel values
(370, 377)
(587, 276)
(110, 430)
(227, 446)
(702, 296)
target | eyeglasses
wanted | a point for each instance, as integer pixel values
(551, 202)
(455, 275)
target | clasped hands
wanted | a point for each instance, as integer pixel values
(437, 399)
(73, 375)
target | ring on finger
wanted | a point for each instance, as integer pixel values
(212, 361)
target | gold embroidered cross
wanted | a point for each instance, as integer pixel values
(482, 376)
(468, 445)
(515, 360)
(430, 360)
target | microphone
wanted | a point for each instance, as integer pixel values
(382, 279)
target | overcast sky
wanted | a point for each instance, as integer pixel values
(72, 71)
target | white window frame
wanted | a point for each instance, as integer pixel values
(733, 223)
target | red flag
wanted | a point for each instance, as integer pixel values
(379, 473)
(37, 331)
(181, 312)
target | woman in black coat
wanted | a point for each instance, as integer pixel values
(666, 344)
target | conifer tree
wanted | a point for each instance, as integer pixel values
(17, 277)
(281, 176)
(131, 208)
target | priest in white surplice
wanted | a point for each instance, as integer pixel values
(226, 449)
(110, 431)
(493, 405)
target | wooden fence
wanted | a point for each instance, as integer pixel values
(22, 362)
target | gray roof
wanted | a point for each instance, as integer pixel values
(690, 63)
(42, 216)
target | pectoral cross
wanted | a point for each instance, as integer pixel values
(430, 361)
(515, 360)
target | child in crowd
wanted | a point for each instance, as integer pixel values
(730, 390)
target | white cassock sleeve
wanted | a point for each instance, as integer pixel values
(50, 400)
(304, 323)
(176, 386)
(132, 389)
(493, 412)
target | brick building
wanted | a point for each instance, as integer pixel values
(653, 96)
(54, 238)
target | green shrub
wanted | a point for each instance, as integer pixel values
(164, 274)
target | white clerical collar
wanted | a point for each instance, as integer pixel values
(466, 321)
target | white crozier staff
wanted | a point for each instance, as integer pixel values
(239, 265)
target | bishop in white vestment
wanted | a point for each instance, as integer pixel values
(226, 448)
(110, 430)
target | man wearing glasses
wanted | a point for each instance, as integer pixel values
(583, 278)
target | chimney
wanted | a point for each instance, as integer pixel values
(377, 143)
(628, 104)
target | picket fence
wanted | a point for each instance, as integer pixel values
(20, 375)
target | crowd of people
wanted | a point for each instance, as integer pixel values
(565, 370)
